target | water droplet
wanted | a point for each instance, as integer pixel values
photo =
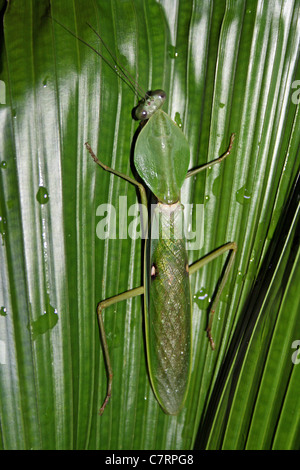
(226, 295)
(240, 277)
(252, 264)
(172, 52)
(216, 186)
(45, 82)
(201, 298)
(42, 195)
(3, 165)
(178, 120)
(206, 199)
(44, 322)
(14, 114)
(243, 196)
(3, 311)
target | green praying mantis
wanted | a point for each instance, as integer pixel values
(162, 158)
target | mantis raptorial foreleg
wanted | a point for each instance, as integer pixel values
(124, 177)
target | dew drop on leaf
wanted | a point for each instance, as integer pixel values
(42, 195)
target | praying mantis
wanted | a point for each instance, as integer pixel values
(162, 158)
(166, 288)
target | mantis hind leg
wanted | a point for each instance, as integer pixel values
(128, 294)
(232, 247)
(101, 306)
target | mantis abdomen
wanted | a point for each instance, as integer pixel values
(168, 308)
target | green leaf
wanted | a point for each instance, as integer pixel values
(226, 67)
